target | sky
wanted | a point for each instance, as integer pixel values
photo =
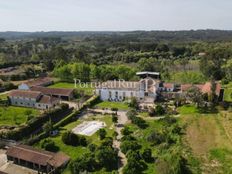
(114, 15)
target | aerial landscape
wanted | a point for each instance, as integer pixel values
(115, 87)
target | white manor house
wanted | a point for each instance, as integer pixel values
(150, 88)
(145, 89)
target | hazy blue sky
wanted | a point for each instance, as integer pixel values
(75, 15)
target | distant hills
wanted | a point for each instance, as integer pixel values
(190, 35)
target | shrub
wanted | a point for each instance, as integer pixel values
(82, 164)
(102, 133)
(108, 141)
(107, 157)
(147, 155)
(141, 123)
(72, 139)
(151, 112)
(126, 131)
(128, 138)
(168, 120)
(49, 145)
(134, 163)
(92, 147)
(114, 118)
(155, 138)
(129, 145)
(159, 110)
(134, 103)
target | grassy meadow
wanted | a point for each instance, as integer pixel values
(228, 92)
(15, 115)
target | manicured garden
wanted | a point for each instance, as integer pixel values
(16, 115)
(109, 105)
(77, 151)
(187, 110)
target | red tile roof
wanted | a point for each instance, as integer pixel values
(37, 156)
(39, 82)
(53, 91)
(168, 85)
(185, 87)
(47, 99)
(205, 88)
(23, 93)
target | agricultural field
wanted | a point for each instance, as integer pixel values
(205, 141)
(87, 88)
(13, 116)
(208, 136)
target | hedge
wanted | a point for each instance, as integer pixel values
(90, 102)
(70, 118)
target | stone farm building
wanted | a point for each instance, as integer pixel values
(39, 160)
(45, 81)
(61, 93)
(34, 99)
(40, 86)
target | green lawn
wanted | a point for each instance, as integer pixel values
(87, 88)
(3, 96)
(75, 152)
(228, 92)
(187, 109)
(15, 115)
(107, 104)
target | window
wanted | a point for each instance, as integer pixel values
(132, 94)
(110, 94)
(124, 95)
(116, 94)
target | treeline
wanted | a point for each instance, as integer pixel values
(190, 35)
(166, 52)
(105, 48)
(86, 73)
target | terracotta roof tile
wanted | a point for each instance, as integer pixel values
(23, 93)
(47, 99)
(205, 88)
(37, 156)
(39, 81)
(168, 85)
(53, 91)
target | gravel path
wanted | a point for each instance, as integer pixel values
(122, 120)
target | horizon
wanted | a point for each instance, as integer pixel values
(161, 30)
